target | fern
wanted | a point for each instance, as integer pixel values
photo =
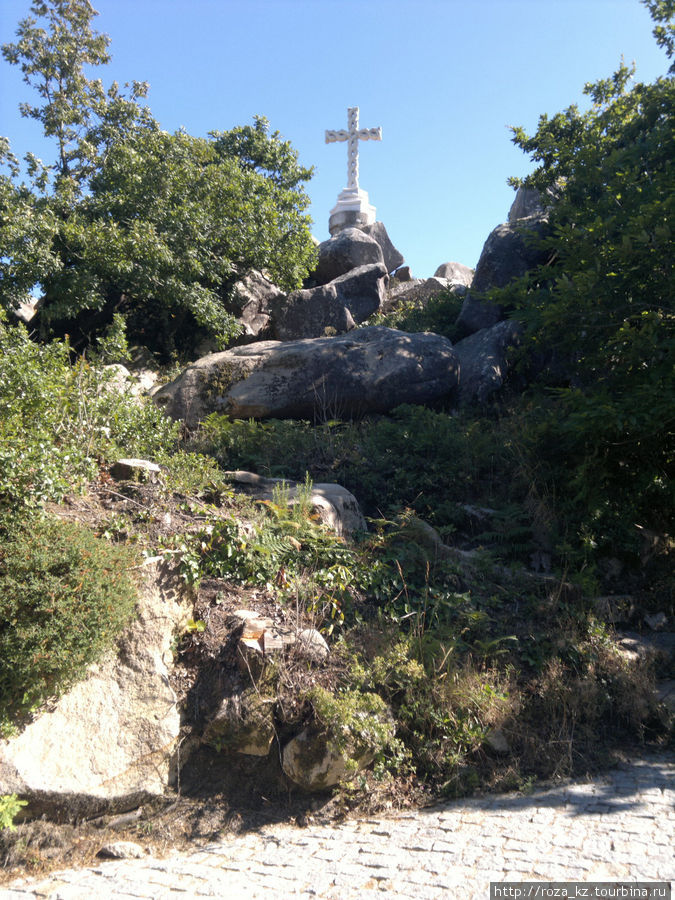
(511, 531)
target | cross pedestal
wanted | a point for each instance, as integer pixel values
(352, 207)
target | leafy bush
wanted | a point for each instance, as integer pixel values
(60, 421)
(10, 806)
(605, 307)
(358, 724)
(283, 546)
(437, 314)
(64, 597)
(443, 709)
(414, 458)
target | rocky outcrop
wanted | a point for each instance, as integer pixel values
(483, 361)
(109, 742)
(251, 302)
(526, 203)
(369, 370)
(245, 718)
(335, 506)
(455, 272)
(332, 308)
(420, 291)
(243, 723)
(348, 249)
(392, 258)
(509, 252)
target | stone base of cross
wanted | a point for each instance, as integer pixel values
(351, 210)
(352, 207)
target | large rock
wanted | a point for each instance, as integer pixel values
(483, 361)
(456, 273)
(118, 379)
(251, 302)
(396, 288)
(311, 760)
(392, 258)
(526, 203)
(109, 742)
(509, 252)
(332, 308)
(141, 469)
(243, 723)
(347, 250)
(420, 291)
(403, 274)
(369, 370)
(336, 507)
(312, 312)
(318, 759)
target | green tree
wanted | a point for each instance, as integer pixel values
(27, 230)
(663, 13)
(135, 221)
(169, 224)
(606, 305)
(53, 46)
(258, 151)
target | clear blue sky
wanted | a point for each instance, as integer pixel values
(443, 78)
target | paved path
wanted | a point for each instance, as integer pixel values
(617, 827)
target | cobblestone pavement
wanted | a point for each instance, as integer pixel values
(618, 827)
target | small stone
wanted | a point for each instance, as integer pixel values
(125, 469)
(252, 622)
(253, 630)
(313, 644)
(403, 274)
(656, 621)
(496, 741)
(122, 850)
(277, 639)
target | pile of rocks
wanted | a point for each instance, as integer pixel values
(321, 366)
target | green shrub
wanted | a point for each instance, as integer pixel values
(358, 724)
(438, 314)
(59, 421)
(256, 552)
(444, 708)
(414, 458)
(64, 597)
(10, 805)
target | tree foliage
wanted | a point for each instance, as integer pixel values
(53, 46)
(606, 305)
(130, 219)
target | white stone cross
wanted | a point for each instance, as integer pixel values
(354, 135)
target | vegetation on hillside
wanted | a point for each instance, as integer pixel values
(601, 317)
(486, 622)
